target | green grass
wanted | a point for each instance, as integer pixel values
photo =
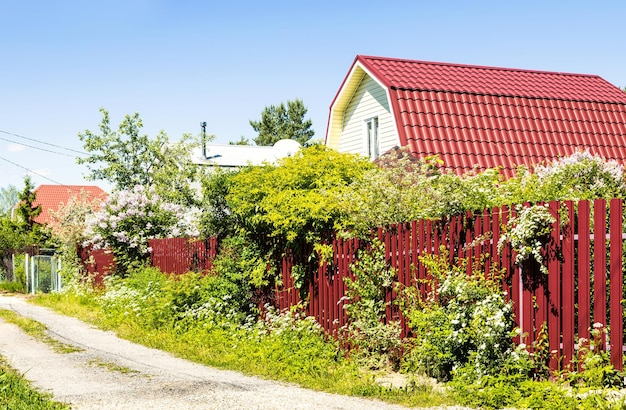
(16, 393)
(112, 367)
(11, 287)
(37, 330)
(305, 362)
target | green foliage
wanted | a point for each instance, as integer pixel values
(283, 122)
(16, 393)
(26, 230)
(528, 233)
(405, 188)
(595, 362)
(578, 176)
(376, 344)
(292, 205)
(297, 199)
(243, 262)
(126, 158)
(463, 319)
(12, 287)
(496, 392)
(26, 211)
(242, 141)
(581, 176)
(216, 218)
(14, 236)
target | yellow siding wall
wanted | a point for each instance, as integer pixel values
(369, 100)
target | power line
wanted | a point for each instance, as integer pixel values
(39, 148)
(40, 142)
(31, 171)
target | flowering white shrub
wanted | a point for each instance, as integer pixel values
(582, 176)
(463, 321)
(527, 234)
(130, 218)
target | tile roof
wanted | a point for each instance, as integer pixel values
(488, 116)
(52, 197)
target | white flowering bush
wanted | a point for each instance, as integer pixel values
(463, 321)
(130, 218)
(527, 233)
(581, 176)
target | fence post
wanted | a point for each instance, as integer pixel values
(616, 337)
(554, 289)
(568, 286)
(584, 270)
(599, 265)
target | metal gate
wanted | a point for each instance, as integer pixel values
(42, 274)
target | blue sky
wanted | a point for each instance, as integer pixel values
(178, 63)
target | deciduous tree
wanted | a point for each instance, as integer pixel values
(126, 158)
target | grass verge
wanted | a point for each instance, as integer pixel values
(38, 331)
(16, 392)
(304, 363)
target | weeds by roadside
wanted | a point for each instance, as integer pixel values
(16, 393)
(38, 331)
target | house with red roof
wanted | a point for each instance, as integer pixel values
(53, 197)
(475, 117)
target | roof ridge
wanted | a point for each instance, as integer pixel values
(507, 95)
(478, 67)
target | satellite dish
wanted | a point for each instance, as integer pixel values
(285, 148)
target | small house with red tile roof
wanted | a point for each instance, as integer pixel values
(475, 117)
(52, 197)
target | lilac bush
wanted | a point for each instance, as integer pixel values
(581, 175)
(130, 218)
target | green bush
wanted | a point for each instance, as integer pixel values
(462, 320)
(374, 343)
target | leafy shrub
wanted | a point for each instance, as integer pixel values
(462, 320)
(595, 362)
(243, 263)
(376, 344)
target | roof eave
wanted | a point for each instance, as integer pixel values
(355, 75)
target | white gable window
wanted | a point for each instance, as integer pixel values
(371, 138)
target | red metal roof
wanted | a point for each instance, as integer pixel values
(52, 197)
(485, 117)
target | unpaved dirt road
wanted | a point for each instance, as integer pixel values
(112, 373)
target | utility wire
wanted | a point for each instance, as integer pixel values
(38, 148)
(31, 171)
(40, 142)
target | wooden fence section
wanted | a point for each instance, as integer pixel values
(180, 255)
(584, 286)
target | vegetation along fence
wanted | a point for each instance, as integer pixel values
(583, 286)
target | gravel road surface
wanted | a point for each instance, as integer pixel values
(112, 373)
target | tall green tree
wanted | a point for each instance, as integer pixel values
(283, 122)
(26, 209)
(126, 158)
